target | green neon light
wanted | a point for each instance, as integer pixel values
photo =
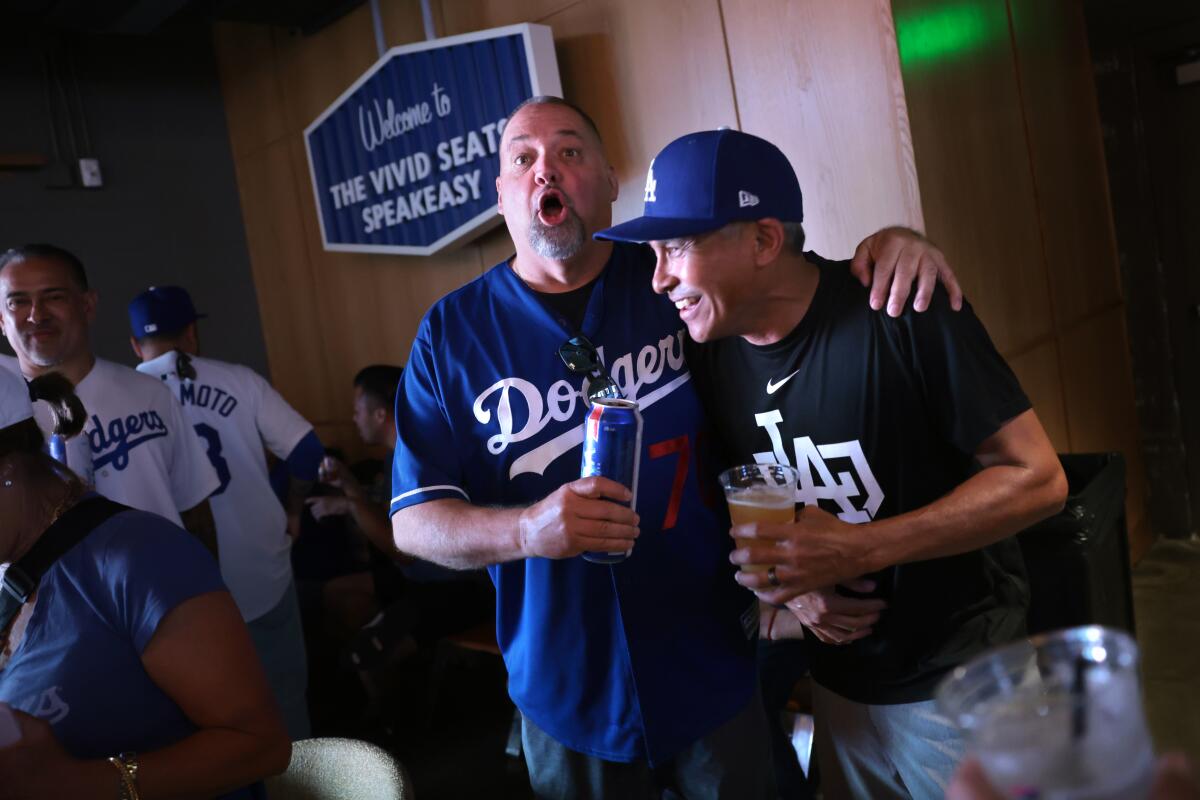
(949, 32)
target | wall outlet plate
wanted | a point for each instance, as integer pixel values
(89, 173)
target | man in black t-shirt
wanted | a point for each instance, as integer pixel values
(918, 455)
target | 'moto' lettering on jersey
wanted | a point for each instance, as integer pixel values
(812, 461)
(192, 393)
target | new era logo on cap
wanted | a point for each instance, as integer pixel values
(704, 181)
(162, 310)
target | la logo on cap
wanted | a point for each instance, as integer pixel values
(651, 185)
(745, 199)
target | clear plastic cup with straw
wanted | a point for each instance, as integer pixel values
(1056, 717)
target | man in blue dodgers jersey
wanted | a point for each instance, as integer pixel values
(237, 413)
(625, 675)
(143, 453)
(938, 456)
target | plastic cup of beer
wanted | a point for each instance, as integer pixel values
(1056, 717)
(760, 493)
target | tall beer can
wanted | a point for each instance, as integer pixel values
(612, 448)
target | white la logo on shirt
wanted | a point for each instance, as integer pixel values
(811, 458)
(651, 185)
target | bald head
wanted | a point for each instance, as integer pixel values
(589, 125)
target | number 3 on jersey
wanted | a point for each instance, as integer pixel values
(210, 435)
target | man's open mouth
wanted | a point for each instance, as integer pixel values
(552, 208)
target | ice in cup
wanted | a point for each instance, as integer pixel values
(1056, 717)
(760, 493)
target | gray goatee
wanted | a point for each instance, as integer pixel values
(558, 242)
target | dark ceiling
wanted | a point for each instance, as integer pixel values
(143, 17)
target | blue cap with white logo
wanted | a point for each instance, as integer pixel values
(161, 311)
(706, 180)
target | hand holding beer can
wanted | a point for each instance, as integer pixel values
(759, 493)
(612, 448)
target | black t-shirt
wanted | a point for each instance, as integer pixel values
(571, 306)
(880, 416)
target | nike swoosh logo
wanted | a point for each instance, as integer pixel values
(772, 388)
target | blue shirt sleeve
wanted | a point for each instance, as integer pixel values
(149, 567)
(425, 465)
(305, 459)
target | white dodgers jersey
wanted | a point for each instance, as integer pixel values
(235, 412)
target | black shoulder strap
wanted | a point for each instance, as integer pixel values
(22, 578)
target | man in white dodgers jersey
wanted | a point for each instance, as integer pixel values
(235, 412)
(628, 676)
(143, 453)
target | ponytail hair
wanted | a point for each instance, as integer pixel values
(65, 406)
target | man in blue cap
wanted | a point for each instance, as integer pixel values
(918, 454)
(236, 413)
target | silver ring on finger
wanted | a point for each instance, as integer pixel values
(772, 577)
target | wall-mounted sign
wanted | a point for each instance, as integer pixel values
(405, 161)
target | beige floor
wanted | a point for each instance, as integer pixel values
(1166, 591)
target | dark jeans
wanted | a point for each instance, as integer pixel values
(730, 763)
(780, 665)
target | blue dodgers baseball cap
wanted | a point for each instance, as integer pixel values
(704, 181)
(161, 310)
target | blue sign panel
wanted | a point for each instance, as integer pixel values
(405, 161)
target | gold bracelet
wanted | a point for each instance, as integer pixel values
(126, 764)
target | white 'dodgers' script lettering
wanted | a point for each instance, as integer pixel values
(632, 372)
(559, 405)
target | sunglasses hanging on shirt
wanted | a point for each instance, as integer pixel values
(580, 357)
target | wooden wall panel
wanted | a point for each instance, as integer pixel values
(280, 261)
(613, 62)
(463, 16)
(1067, 153)
(1037, 369)
(249, 85)
(1008, 152)
(854, 159)
(315, 70)
(1099, 394)
(976, 181)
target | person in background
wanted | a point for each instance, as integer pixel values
(144, 454)
(375, 389)
(128, 669)
(427, 601)
(237, 414)
(912, 430)
(629, 677)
